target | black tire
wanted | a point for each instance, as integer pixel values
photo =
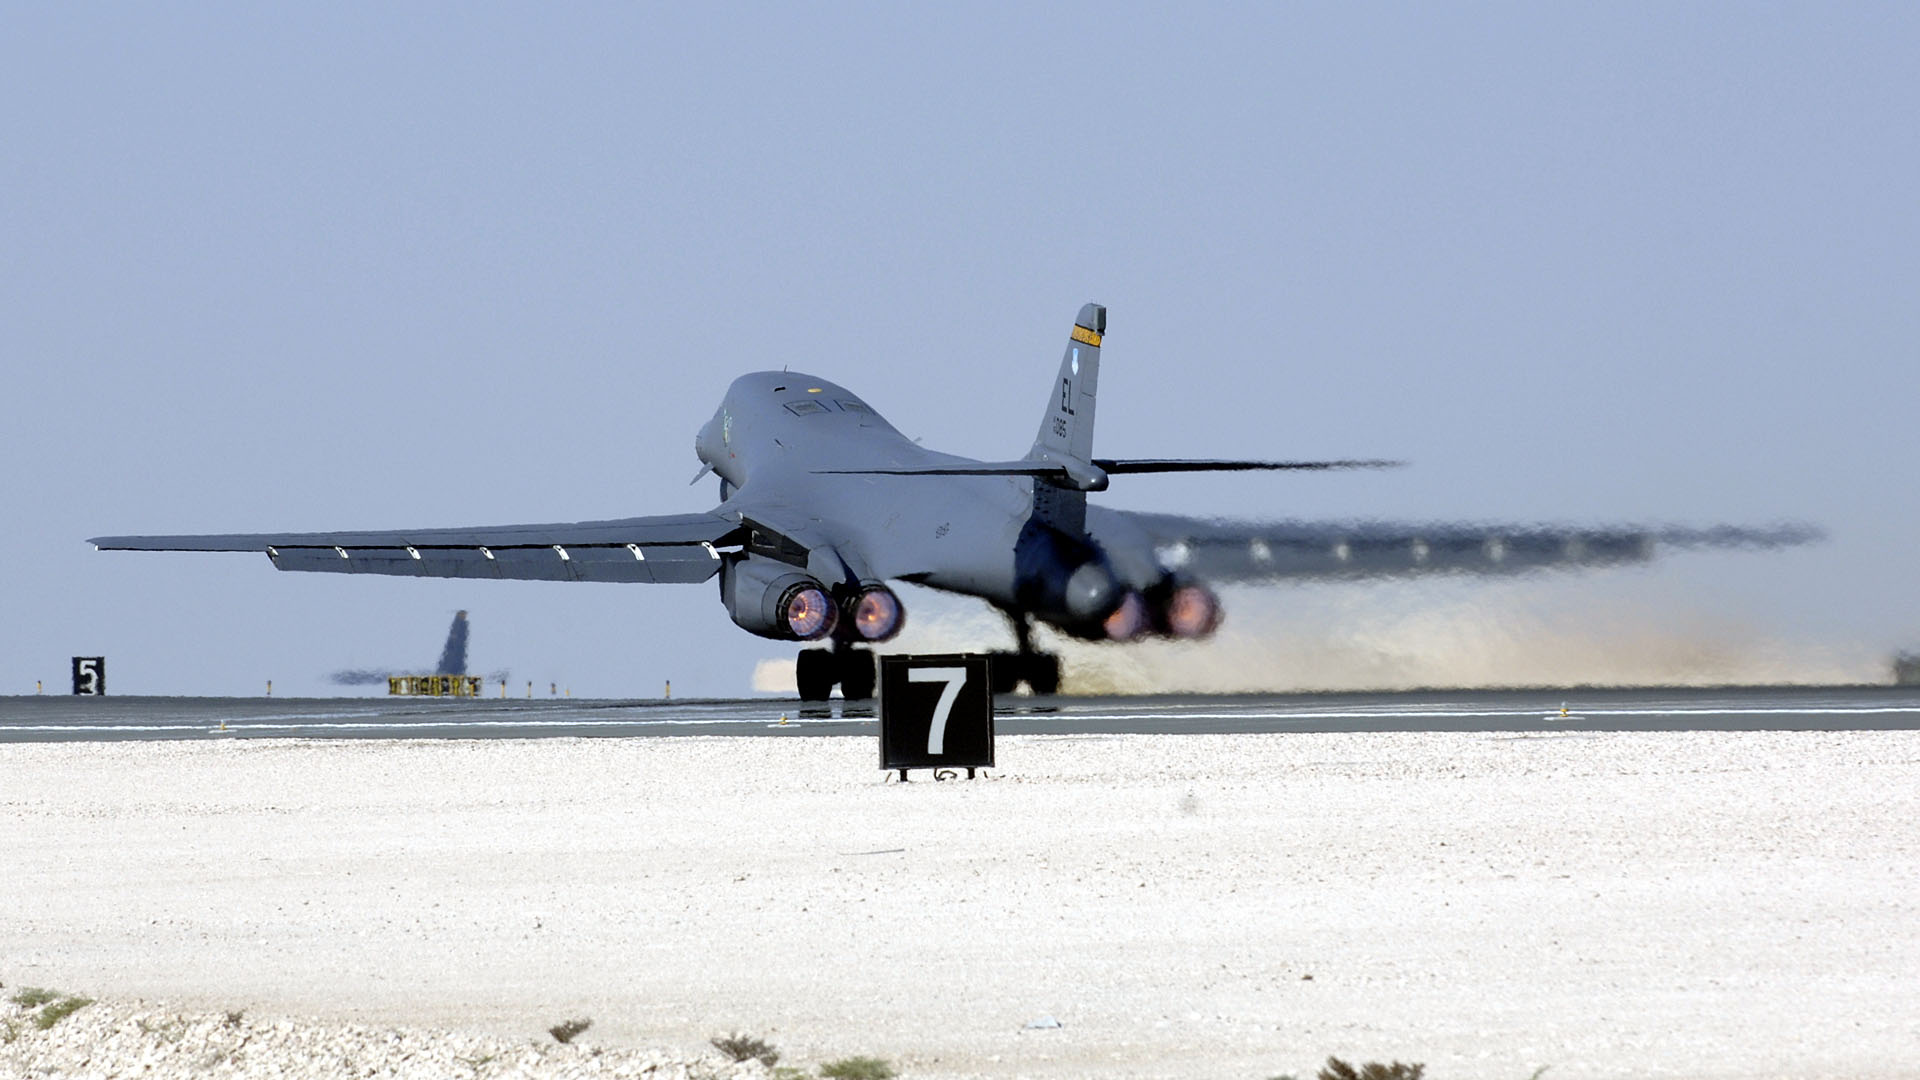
(1043, 673)
(856, 674)
(1003, 672)
(814, 672)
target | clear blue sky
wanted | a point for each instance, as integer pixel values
(345, 266)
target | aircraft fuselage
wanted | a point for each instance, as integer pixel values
(786, 446)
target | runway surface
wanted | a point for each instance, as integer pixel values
(81, 719)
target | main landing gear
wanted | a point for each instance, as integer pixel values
(848, 667)
(1039, 670)
(852, 669)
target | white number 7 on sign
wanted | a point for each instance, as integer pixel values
(955, 678)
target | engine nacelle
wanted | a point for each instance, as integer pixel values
(1065, 581)
(775, 600)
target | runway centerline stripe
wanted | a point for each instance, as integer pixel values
(1466, 714)
(1863, 708)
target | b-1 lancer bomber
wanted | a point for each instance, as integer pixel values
(823, 503)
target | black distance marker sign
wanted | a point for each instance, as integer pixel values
(936, 712)
(90, 675)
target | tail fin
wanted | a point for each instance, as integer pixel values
(1066, 431)
(453, 658)
(1067, 427)
(1061, 461)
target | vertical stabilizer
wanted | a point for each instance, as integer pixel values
(1066, 430)
(1067, 426)
(453, 658)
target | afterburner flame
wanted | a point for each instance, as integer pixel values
(1192, 612)
(1129, 620)
(807, 612)
(877, 614)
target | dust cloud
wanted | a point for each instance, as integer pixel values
(1426, 635)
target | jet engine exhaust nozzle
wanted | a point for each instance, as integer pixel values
(1130, 619)
(1192, 612)
(876, 613)
(807, 612)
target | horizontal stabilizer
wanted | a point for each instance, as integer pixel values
(1031, 467)
(971, 468)
(1118, 466)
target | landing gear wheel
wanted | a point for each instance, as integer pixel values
(814, 672)
(856, 673)
(1043, 673)
(1007, 670)
(1003, 672)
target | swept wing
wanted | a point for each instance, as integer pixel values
(672, 548)
(1219, 550)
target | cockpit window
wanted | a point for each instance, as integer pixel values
(854, 406)
(805, 408)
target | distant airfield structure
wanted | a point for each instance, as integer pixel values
(449, 677)
(433, 685)
(1906, 669)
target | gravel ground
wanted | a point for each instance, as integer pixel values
(108, 1039)
(1693, 904)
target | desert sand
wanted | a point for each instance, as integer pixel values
(1692, 904)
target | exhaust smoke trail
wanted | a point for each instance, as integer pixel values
(1419, 635)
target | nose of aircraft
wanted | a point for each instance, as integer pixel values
(706, 444)
(1092, 591)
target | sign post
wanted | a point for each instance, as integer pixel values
(936, 712)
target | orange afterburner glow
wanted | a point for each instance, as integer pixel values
(877, 614)
(807, 612)
(1129, 620)
(1192, 612)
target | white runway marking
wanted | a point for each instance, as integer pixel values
(1423, 714)
(1679, 710)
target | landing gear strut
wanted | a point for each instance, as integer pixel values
(1007, 670)
(819, 670)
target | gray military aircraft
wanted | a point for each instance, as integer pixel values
(823, 502)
